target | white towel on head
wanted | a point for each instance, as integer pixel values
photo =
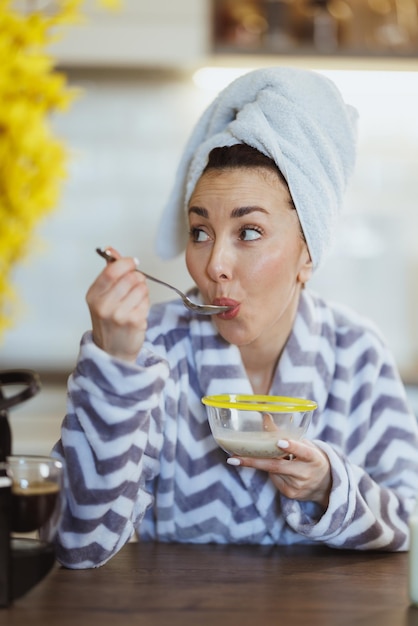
(296, 117)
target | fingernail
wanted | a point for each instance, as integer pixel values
(233, 461)
(136, 261)
(282, 443)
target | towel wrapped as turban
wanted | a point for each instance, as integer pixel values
(296, 117)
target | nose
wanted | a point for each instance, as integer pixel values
(219, 267)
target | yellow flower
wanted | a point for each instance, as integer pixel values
(110, 4)
(33, 162)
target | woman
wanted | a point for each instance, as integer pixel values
(257, 193)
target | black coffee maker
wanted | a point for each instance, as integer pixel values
(22, 564)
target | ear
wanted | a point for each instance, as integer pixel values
(306, 269)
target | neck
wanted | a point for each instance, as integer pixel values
(260, 365)
(261, 357)
(261, 381)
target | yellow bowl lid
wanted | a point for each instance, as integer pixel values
(272, 404)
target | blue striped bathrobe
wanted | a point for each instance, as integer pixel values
(140, 455)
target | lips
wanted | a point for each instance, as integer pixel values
(233, 312)
(225, 302)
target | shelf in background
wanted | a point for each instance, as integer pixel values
(343, 28)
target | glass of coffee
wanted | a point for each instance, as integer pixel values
(30, 501)
(35, 492)
(35, 506)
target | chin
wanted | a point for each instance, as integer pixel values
(236, 336)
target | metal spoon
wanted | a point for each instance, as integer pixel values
(205, 309)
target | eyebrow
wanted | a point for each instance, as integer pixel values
(238, 212)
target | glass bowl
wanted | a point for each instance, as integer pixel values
(251, 425)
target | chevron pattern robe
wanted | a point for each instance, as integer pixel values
(140, 455)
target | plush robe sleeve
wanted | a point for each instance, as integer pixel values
(374, 474)
(111, 439)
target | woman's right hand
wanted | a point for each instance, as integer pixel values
(118, 301)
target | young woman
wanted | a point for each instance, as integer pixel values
(258, 189)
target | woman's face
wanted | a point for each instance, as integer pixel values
(246, 250)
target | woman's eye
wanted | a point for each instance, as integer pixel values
(250, 234)
(198, 235)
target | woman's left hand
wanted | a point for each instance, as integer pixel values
(304, 473)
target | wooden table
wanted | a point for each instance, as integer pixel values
(182, 585)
